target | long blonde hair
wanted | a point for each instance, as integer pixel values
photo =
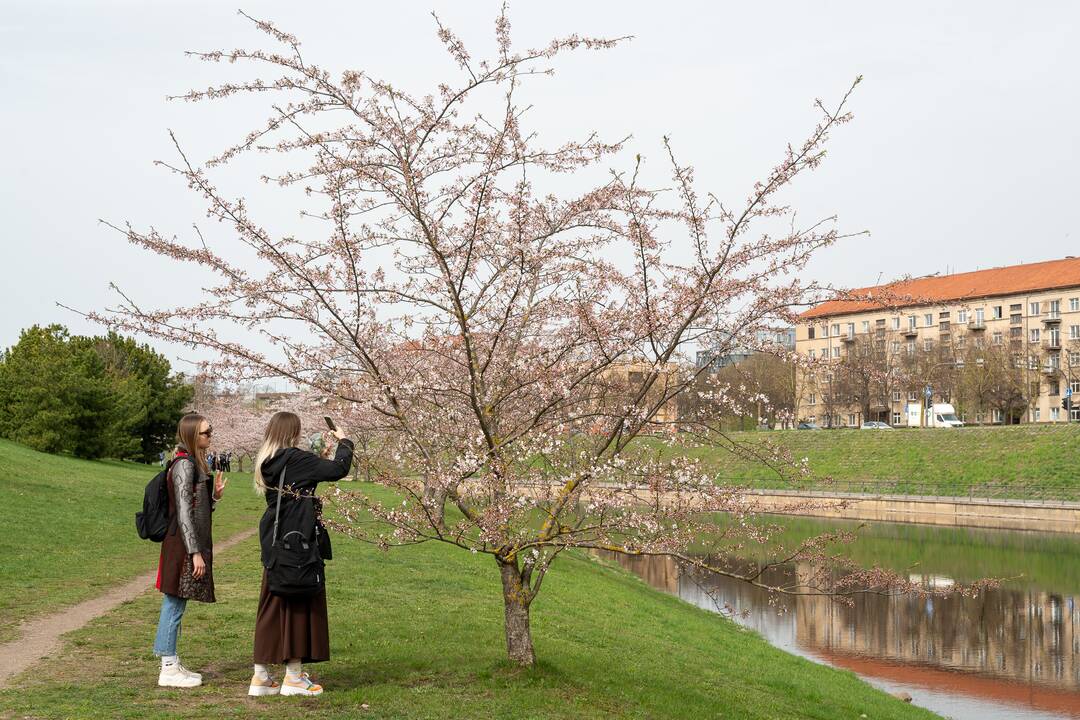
(282, 431)
(187, 434)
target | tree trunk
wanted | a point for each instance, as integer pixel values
(435, 502)
(519, 645)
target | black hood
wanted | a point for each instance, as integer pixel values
(272, 465)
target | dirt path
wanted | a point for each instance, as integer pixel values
(38, 638)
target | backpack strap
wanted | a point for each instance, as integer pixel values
(277, 512)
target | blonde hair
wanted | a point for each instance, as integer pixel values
(282, 431)
(187, 434)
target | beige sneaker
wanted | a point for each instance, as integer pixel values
(300, 686)
(260, 687)
(176, 676)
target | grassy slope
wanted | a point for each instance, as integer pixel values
(1032, 461)
(417, 633)
(67, 528)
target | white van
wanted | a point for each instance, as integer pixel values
(941, 415)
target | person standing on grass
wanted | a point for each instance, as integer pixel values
(292, 631)
(185, 569)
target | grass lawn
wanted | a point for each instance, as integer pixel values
(1020, 461)
(416, 632)
(67, 528)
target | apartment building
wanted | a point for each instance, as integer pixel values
(943, 333)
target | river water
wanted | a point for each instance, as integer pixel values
(1012, 653)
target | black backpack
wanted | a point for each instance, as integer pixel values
(153, 522)
(294, 567)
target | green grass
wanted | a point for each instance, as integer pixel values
(417, 633)
(67, 528)
(1023, 461)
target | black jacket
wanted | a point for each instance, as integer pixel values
(300, 508)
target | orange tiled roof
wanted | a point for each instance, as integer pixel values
(1010, 280)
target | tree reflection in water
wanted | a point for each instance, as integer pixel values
(1014, 645)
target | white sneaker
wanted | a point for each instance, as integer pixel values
(261, 687)
(190, 674)
(176, 676)
(300, 686)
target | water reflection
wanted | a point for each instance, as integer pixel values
(1010, 653)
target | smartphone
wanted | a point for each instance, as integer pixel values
(329, 422)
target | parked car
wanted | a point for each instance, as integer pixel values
(808, 426)
(876, 425)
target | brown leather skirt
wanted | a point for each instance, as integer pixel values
(288, 628)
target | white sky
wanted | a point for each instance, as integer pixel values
(963, 154)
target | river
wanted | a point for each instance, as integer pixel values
(1012, 653)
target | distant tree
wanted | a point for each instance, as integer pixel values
(88, 396)
(150, 396)
(56, 394)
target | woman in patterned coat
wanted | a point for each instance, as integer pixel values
(185, 570)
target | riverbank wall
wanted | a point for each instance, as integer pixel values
(1045, 516)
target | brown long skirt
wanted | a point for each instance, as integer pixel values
(289, 628)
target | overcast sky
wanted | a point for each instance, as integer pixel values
(963, 154)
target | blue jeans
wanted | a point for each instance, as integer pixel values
(168, 629)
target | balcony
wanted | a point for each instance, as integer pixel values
(976, 325)
(848, 338)
(1053, 318)
(910, 332)
(1051, 369)
(1052, 343)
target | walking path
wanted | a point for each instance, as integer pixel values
(40, 637)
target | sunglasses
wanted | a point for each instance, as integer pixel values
(208, 431)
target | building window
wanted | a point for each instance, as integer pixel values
(913, 396)
(1074, 304)
(997, 339)
(1054, 387)
(1034, 335)
(1074, 332)
(836, 352)
(1033, 308)
(1075, 386)
(1074, 359)
(928, 318)
(995, 312)
(912, 321)
(866, 326)
(811, 353)
(812, 400)
(961, 316)
(851, 329)
(896, 396)
(1036, 414)
(810, 332)
(895, 346)
(996, 416)
(961, 341)
(825, 331)
(928, 345)
(1055, 414)
(812, 419)
(896, 418)
(1054, 310)
(836, 329)
(851, 419)
(896, 323)
(1016, 319)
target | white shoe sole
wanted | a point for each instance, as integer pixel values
(263, 690)
(286, 690)
(179, 682)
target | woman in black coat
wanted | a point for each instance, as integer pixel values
(292, 630)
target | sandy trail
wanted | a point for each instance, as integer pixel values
(40, 637)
